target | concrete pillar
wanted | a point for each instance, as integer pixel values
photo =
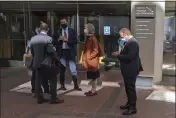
(159, 41)
(151, 50)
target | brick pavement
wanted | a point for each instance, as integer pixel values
(104, 105)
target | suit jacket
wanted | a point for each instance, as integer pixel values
(130, 63)
(39, 45)
(72, 41)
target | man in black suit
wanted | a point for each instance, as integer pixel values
(65, 42)
(130, 66)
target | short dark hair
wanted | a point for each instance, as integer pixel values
(125, 31)
(64, 18)
(43, 26)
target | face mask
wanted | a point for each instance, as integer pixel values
(64, 25)
(123, 39)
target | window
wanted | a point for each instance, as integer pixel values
(16, 26)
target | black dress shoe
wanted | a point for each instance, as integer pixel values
(92, 94)
(62, 88)
(56, 101)
(124, 107)
(42, 100)
(130, 112)
(89, 92)
(77, 88)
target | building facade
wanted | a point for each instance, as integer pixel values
(19, 19)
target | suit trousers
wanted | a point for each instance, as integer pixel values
(38, 83)
(33, 78)
(45, 83)
(130, 88)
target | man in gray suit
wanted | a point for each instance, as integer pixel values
(38, 50)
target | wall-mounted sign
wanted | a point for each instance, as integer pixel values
(107, 30)
(145, 10)
(144, 29)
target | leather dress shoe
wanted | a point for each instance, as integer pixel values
(130, 112)
(92, 94)
(56, 101)
(62, 88)
(77, 88)
(123, 107)
(86, 93)
(42, 100)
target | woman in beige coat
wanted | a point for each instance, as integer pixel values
(90, 58)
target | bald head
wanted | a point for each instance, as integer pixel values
(43, 27)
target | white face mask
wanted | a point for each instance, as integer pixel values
(85, 31)
(123, 39)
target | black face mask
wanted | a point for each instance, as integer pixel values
(64, 25)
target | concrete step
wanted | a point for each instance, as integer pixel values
(169, 70)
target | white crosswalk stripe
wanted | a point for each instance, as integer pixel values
(26, 88)
(162, 95)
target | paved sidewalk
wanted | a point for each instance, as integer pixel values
(104, 105)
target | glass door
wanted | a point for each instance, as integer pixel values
(51, 13)
(84, 19)
(61, 10)
(108, 18)
(36, 18)
(2, 34)
(87, 14)
(66, 10)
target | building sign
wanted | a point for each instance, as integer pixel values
(144, 29)
(145, 10)
(107, 30)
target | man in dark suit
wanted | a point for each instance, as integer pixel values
(38, 50)
(130, 67)
(65, 42)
